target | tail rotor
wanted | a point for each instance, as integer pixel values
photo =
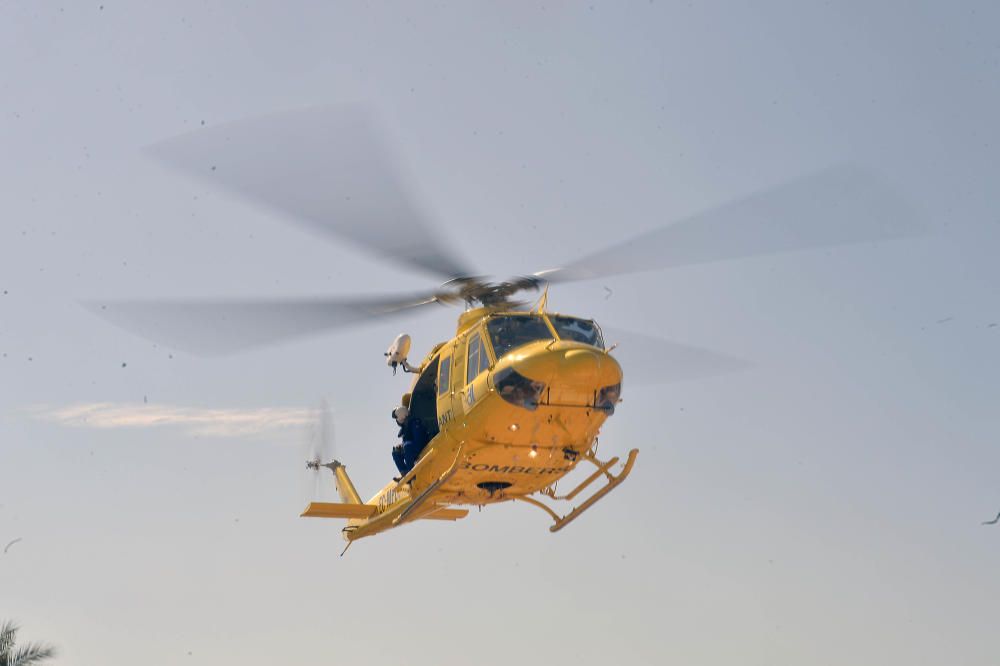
(320, 449)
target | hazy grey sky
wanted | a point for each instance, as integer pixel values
(822, 507)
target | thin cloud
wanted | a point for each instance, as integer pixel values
(193, 420)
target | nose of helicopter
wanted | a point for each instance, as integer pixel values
(569, 366)
(580, 366)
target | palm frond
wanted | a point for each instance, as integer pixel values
(8, 632)
(32, 653)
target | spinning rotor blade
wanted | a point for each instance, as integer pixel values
(319, 449)
(647, 360)
(837, 206)
(219, 327)
(322, 436)
(326, 167)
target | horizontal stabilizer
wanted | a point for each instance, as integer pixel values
(447, 514)
(337, 510)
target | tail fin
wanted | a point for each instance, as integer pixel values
(348, 494)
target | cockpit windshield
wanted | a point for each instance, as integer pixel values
(578, 330)
(509, 332)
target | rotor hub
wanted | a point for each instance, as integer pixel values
(477, 290)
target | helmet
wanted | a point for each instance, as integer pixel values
(399, 414)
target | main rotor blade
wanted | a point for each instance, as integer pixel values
(220, 327)
(837, 206)
(648, 360)
(328, 168)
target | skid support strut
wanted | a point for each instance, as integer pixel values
(602, 469)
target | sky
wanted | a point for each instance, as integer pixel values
(822, 506)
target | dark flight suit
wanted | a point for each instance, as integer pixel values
(414, 436)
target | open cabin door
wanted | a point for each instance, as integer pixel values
(424, 400)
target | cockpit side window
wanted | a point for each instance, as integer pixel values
(479, 360)
(578, 330)
(508, 332)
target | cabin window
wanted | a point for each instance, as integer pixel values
(478, 359)
(444, 375)
(578, 330)
(508, 332)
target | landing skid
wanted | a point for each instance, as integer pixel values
(602, 469)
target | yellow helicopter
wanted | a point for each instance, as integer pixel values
(510, 405)
(516, 399)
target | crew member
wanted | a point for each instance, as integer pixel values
(413, 434)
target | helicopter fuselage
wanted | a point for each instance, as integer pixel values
(509, 415)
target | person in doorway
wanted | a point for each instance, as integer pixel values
(413, 434)
(399, 415)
